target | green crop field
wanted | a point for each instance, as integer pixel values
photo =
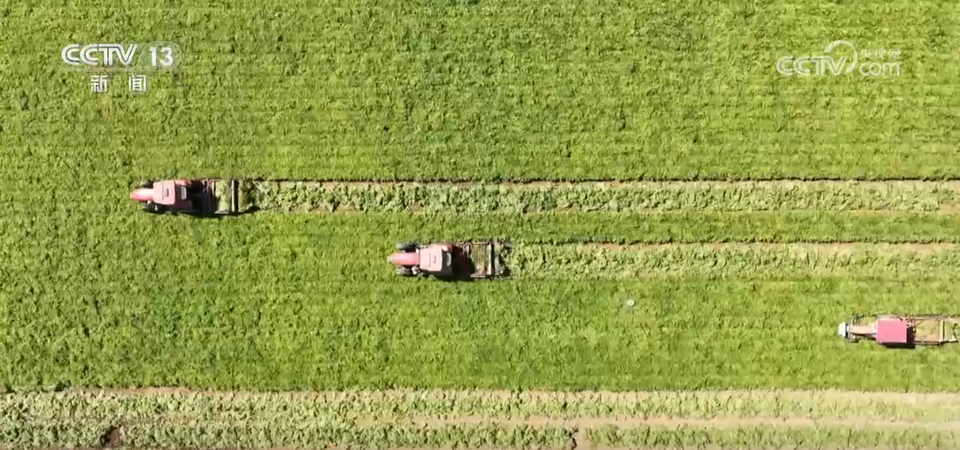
(683, 218)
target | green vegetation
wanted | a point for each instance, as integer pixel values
(299, 301)
(388, 89)
(95, 293)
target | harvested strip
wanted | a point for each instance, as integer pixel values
(894, 196)
(337, 408)
(55, 434)
(771, 438)
(479, 419)
(280, 433)
(628, 422)
(275, 433)
(888, 261)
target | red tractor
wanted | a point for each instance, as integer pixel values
(195, 197)
(466, 260)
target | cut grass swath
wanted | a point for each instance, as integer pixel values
(748, 261)
(478, 419)
(608, 197)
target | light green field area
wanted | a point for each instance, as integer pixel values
(299, 296)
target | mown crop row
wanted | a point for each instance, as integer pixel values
(765, 437)
(404, 407)
(252, 435)
(477, 419)
(626, 197)
(753, 261)
(274, 434)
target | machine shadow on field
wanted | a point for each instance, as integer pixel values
(462, 273)
(211, 215)
(206, 215)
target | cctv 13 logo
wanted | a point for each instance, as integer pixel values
(120, 56)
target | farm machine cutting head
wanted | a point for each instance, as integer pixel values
(902, 331)
(466, 260)
(194, 197)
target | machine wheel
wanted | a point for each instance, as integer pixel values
(146, 184)
(406, 247)
(404, 271)
(415, 270)
(152, 208)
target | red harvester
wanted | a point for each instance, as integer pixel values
(196, 197)
(903, 331)
(464, 260)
